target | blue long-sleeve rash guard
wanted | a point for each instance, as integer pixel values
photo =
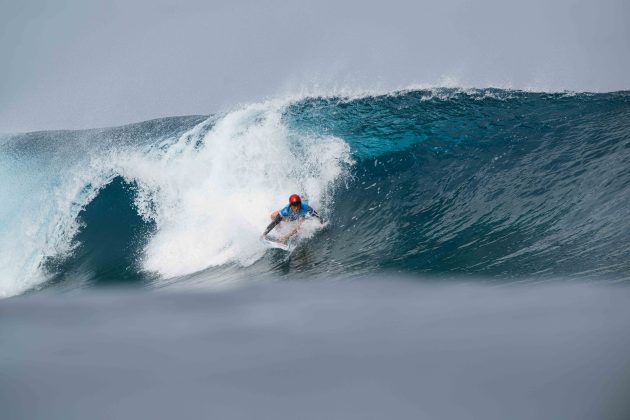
(302, 212)
(286, 212)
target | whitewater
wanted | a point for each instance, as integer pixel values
(505, 185)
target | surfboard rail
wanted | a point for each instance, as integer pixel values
(271, 243)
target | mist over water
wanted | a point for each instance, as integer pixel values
(375, 347)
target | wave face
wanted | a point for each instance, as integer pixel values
(501, 185)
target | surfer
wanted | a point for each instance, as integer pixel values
(295, 210)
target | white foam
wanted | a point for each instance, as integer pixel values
(212, 203)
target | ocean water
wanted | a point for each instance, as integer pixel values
(473, 263)
(365, 349)
(499, 184)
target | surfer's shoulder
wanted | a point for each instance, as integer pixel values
(284, 211)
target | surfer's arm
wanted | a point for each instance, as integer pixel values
(313, 213)
(273, 224)
(317, 216)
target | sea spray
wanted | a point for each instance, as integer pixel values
(210, 202)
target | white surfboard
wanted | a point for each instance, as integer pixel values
(274, 244)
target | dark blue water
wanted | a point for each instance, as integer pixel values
(505, 184)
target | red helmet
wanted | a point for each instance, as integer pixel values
(295, 199)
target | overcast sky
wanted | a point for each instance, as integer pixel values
(81, 64)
